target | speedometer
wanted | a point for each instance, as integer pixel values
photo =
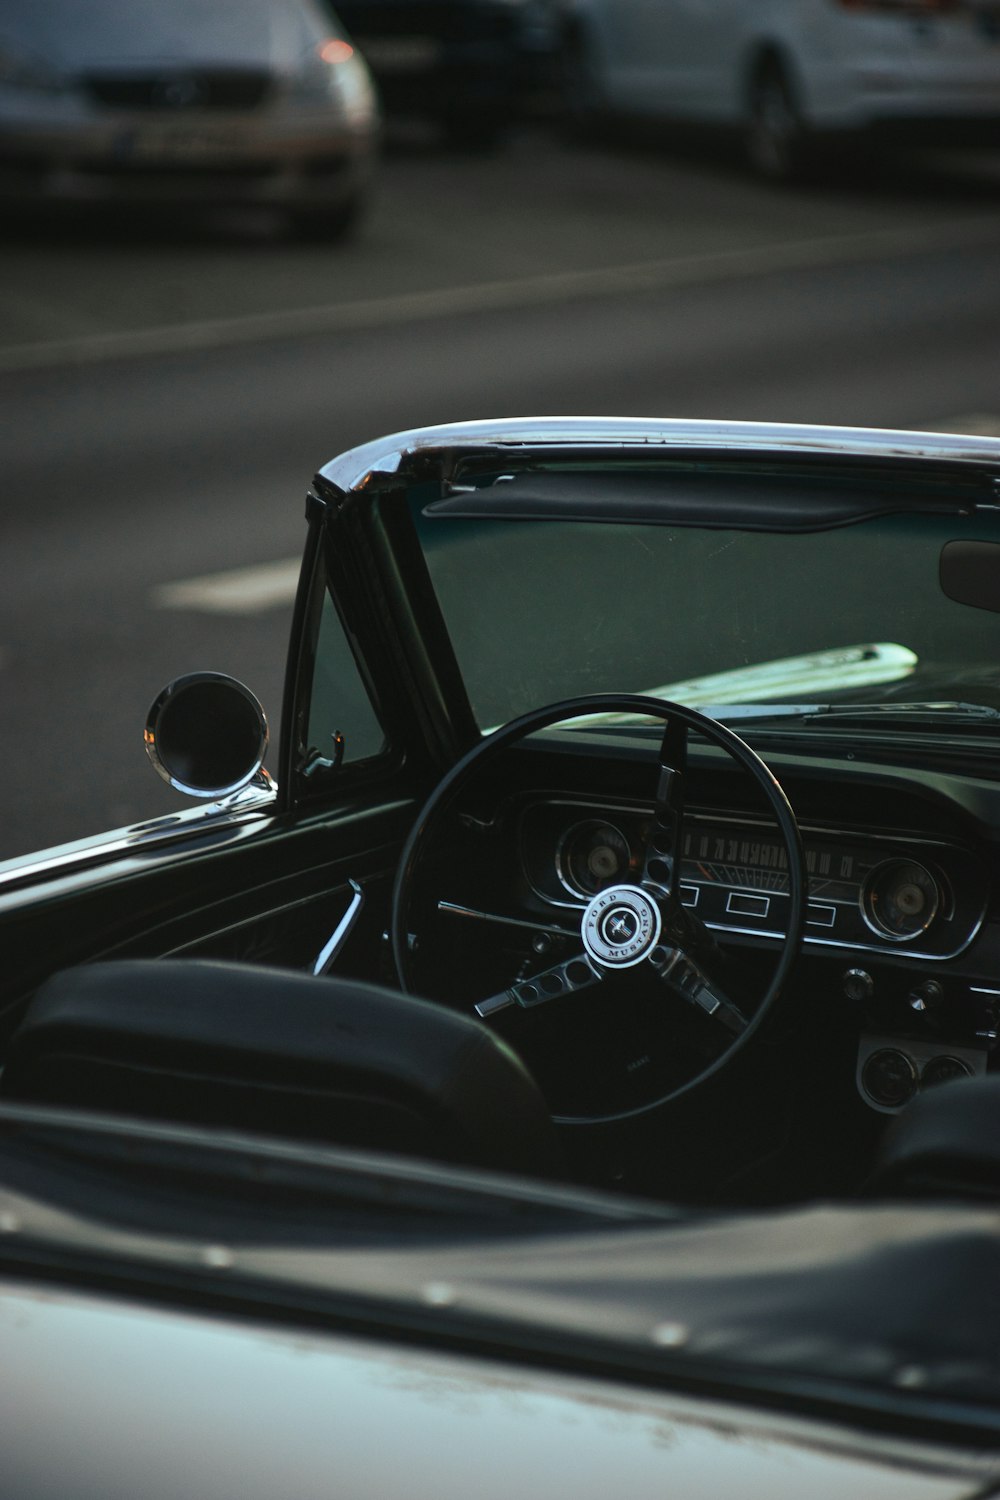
(592, 855)
(900, 898)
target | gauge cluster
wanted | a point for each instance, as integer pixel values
(913, 896)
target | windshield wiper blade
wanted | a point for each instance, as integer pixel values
(857, 715)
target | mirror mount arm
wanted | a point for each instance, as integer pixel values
(312, 761)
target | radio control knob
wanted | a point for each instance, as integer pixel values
(858, 985)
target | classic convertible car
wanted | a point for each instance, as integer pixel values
(573, 1070)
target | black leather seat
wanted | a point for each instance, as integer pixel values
(284, 1054)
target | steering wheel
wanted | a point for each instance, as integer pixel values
(630, 930)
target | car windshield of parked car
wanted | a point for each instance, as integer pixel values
(544, 610)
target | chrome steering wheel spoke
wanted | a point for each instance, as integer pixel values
(688, 979)
(577, 973)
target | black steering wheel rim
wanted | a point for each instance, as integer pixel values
(631, 704)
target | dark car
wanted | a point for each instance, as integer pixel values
(577, 1071)
(470, 67)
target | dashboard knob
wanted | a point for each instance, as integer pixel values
(858, 984)
(925, 997)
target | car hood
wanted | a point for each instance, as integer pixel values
(135, 33)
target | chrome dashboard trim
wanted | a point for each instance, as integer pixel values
(870, 919)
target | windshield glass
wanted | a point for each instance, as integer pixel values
(539, 611)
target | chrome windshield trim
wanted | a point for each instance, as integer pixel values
(354, 470)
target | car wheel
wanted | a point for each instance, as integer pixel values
(777, 142)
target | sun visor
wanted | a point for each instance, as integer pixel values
(733, 502)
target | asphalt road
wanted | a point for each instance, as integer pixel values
(168, 390)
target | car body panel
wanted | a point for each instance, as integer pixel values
(852, 67)
(220, 1407)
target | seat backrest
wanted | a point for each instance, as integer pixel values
(945, 1143)
(281, 1053)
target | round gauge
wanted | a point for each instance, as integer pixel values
(889, 1078)
(900, 899)
(591, 856)
(944, 1069)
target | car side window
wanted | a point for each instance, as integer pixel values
(341, 719)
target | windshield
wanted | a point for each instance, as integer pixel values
(539, 611)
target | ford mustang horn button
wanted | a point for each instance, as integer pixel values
(620, 926)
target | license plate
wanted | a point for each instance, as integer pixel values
(400, 54)
(169, 143)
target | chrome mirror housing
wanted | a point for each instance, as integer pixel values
(206, 734)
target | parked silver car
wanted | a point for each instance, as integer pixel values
(242, 101)
(793, 74)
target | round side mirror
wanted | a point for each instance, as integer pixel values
(207, 735)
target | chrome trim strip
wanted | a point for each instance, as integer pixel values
(353, 470)
(826, 942)
(455, 909)
(821, 914)
(341, 932)
(138, 837)
(748, 904)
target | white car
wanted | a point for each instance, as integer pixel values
(793, 74)
(186, 104)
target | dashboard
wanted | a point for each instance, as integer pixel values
(888, 914)
(920, 898)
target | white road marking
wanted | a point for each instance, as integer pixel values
(527, 291)
(239, 591)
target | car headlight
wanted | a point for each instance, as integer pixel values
(335, 70)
